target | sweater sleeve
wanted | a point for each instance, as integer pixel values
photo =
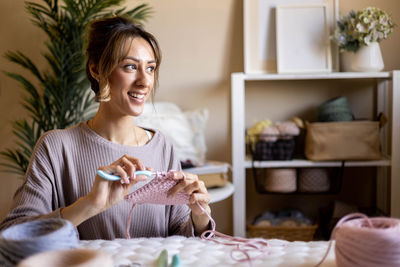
(35, 198)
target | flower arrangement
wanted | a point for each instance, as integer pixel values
(362, 28)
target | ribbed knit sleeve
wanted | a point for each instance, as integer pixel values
(63, 168)
(34, 198)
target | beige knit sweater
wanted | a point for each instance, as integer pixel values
(63, 168)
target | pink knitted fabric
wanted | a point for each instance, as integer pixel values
(156, 192)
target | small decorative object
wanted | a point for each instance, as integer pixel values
(302, 45)
(260, 32)
(358, 35)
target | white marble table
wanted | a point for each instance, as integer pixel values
(197, 252)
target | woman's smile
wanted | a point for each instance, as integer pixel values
(132, 79)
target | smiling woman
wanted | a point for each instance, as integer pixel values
(137, 66)
(109, 49)
(122, 67)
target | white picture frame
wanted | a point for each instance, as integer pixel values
(260, 36)
(302, 39)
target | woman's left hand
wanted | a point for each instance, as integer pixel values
(196, 189)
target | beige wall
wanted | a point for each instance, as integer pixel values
(202, 43)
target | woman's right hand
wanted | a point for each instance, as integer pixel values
(104, 193)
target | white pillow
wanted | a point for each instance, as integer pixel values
(184, 129)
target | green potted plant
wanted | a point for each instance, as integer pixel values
(62, 97)
(358, 35)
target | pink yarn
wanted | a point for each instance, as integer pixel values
(367, 242)
(242, 245)
(288, 128)
(155, 192)
(269, 134)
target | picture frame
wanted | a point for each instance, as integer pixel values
(302, 39)
(260, 33)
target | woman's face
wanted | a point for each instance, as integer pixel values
(132, 79)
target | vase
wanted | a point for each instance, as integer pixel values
(367, 58)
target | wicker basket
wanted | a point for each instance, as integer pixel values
(298, 233)
(281, 149)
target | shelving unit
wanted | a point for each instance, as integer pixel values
(211, 167)
(388, 101)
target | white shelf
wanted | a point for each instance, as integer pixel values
(302, 163)
(210, 167)
(316, 76)
(387, 101)
(220, 193)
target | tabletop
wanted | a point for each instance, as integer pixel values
(194, 251)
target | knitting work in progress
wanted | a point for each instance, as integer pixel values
(156, 192)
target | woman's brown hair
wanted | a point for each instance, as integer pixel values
(107, 39)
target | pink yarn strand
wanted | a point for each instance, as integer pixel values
(242, 245)
(155, 192)
(128, 223)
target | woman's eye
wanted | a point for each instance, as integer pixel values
(150, 68)
(130, 67)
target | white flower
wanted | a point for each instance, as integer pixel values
(372, 25)
(363, 27)
(367, 39)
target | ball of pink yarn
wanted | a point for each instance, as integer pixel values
(363, 241)
(288, 128)
(269, 134)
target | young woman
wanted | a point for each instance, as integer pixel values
(61, 181)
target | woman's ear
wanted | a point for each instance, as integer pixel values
(94, 71)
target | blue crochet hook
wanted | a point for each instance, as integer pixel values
(113, 177)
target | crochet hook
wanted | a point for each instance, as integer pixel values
(113, 177)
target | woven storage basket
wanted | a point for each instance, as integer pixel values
(298, 233)
(282, 148)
